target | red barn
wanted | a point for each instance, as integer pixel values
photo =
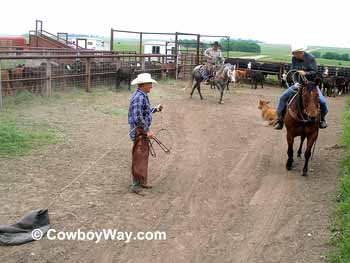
(13, 41)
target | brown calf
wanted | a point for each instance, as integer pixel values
(267, 112)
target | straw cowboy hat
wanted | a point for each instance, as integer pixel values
(143, 78)
(297, 47)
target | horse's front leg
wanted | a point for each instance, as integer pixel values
(221, 87)
(310, 142)
(301, 146)
(290, 140)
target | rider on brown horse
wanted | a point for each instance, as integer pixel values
(306, 65)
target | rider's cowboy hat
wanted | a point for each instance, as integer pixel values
(143, 78)
(216, 43)
(298, 48)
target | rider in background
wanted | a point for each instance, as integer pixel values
(305, 64)
(213, 56)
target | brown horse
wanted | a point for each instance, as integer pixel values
(302, 119)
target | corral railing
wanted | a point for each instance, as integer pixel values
(278, 68)
(41, 73)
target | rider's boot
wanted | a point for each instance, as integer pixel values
(280, 121)
(323, 123)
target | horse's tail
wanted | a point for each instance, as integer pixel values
(190, 82)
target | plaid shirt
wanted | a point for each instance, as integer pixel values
(140, 112)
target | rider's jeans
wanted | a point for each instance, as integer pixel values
(288, 93)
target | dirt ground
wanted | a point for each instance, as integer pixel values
(222, 195)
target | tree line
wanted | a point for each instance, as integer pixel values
(331, 55)
(231, 45)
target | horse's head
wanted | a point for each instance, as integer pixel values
(310, 100)
(231, 73)
(262, 104)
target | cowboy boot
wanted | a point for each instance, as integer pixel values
(323, 123)
(280, 121)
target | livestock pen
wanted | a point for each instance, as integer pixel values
(41, 71)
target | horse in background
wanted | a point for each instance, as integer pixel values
(223, 74)
(222, 78)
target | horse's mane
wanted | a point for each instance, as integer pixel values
(310, 86)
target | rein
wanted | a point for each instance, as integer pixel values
(299, 101)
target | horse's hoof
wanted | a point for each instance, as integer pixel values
(289, 165)
(304, 174)
(221, 102)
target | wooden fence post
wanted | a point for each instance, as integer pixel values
(198, 49)
(176, 55)
(0, 89)
(48, 78)
(88, 75)
(111, 43)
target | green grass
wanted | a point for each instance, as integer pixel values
(111, 110)
(331, 62)
(331, 49)
(275, 49)
(18, 139)
(126, 45)
(341, 226)
(240, 54)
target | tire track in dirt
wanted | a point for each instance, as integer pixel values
(254, 183)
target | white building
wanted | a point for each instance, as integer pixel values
(159, 48)
(93, 43)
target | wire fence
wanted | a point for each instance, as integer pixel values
(41, 74)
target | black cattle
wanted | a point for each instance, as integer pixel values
(256, 77)
(35, 76)
(328, 84)
(341, 84)
(271, 67)
(124, 74)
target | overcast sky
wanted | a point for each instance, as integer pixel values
(311, 22)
